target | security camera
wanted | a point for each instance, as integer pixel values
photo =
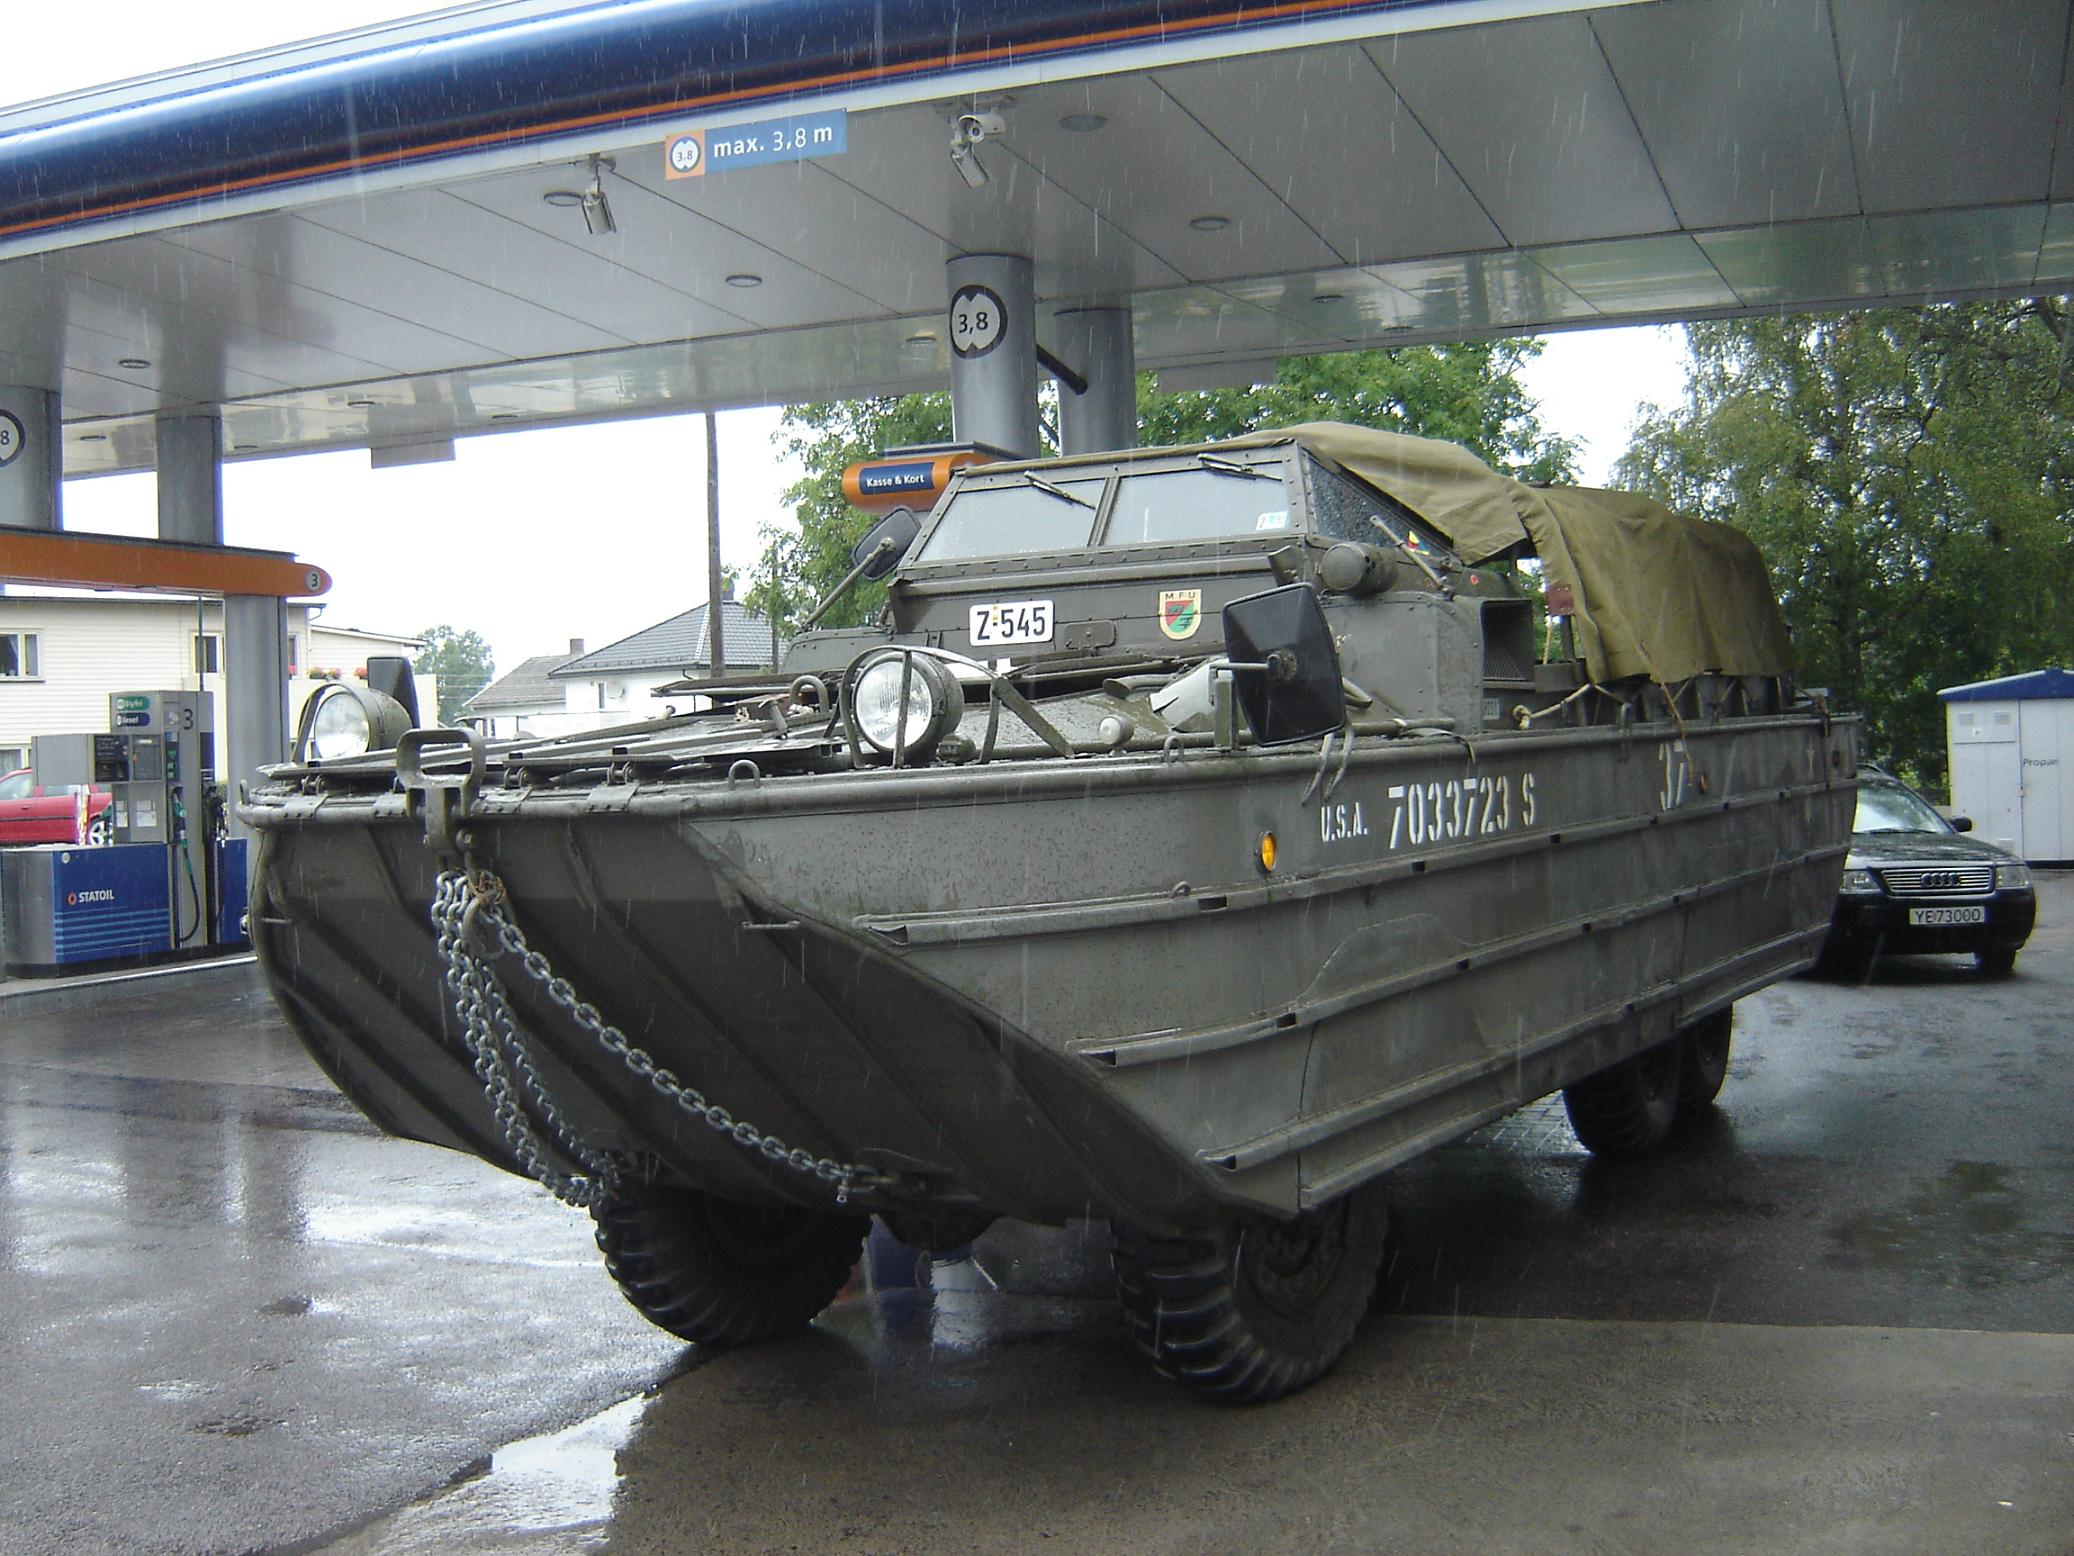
(967, 131)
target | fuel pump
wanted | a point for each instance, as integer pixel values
(160, 758)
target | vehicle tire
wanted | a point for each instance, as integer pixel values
(1704, 1065)
(1996, 961)
(1254, 1310)
(1628, 1110)
(717, 1272)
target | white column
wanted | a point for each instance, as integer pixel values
(993, 334)
(32, 461)
(1096, 344)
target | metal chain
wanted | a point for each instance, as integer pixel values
(460, 902)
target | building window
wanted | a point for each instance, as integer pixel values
(20, 658)
(294, 653)
(601, 692)
(208, 653)
(12, 757)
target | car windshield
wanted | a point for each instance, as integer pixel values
(1197, 505)
(1034, 515)
(1887, 807)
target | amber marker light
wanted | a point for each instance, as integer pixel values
(1266, 851)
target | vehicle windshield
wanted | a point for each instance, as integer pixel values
(1199, 504)
(1887, 807)
(1004, 520)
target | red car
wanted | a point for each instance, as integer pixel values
(28, 815)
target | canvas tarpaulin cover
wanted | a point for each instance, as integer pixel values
(1656, 595)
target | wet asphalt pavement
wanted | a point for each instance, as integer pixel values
(1838, 1317)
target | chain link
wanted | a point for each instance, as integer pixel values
(504, 1063)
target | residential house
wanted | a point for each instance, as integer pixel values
(62, 653)
(559, 694)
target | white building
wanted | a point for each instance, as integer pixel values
(2011, 745)
(560, 694)
(62, 654)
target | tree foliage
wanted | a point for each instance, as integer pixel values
(1468, 394)
(1906, 474)
(460, 660)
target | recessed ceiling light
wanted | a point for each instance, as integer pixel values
(504, 416)
(133, 363)
(1210, 223)
(562, 197)
(925, 338)
(1330, 297)
(743, 278)
(93, 437)
(243, 448)
(360, 405)
(1083, 123)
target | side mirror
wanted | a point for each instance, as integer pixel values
(1295, 694)
(873, 555)
(1962, 823)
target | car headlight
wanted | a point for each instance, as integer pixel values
(344, 720)
(2012, 877)
(1861, 881)
(904, 703)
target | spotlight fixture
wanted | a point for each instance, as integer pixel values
(133, 363)
(967, 131)
(1330, 297)
(744, 279)
(1083, 123)
(244, 448)
(1210, 223)
(93, 437)
(360, 405)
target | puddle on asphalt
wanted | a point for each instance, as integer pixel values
(554, 1493)
(1970, 1227)
(551, 1493)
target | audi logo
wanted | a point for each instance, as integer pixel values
(1940, 880)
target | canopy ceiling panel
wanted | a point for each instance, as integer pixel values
(371, 239)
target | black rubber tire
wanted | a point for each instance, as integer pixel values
(720, 1273)
(1704, 1065)
(1996, 961)
(1628, 1110)
(1255, 1310)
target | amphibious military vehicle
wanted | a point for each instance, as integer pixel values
(1201, 833)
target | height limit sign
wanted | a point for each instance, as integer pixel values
(721, 148)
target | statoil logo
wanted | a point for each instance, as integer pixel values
(100, 894)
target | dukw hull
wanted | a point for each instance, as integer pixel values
(1061, 988)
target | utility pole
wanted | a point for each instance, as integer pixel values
(716, 614)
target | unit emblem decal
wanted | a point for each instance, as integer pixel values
(1180, 612)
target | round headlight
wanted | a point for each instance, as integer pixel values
(343, 721)
(905, 703)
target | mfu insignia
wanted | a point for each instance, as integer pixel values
(1180, 612)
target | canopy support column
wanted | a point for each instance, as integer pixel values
(190, 479)
(1096, 343)
(32, 462)
(993, 335)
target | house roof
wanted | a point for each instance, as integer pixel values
(526, 687)
(2033, 685)
(679, 644)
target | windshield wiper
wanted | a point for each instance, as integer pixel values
(1031, 478)
(1233, 467)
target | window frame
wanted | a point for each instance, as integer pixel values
(28, 653)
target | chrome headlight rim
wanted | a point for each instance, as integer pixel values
(1860, 882)
(889, 726)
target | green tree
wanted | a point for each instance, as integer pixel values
(1907, 475)
(1468, 394)
(460, 660)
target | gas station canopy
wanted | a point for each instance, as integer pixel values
(394, 237)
